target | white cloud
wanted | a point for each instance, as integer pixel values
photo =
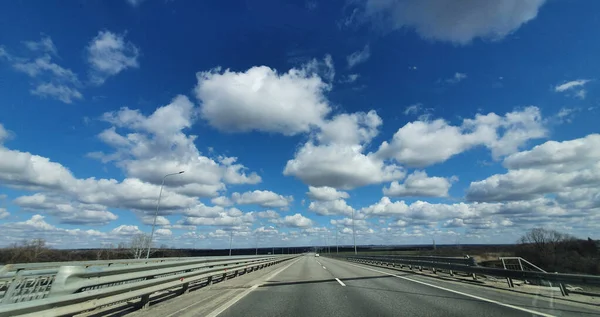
(160, 220)
(4, 213)
(222, 219)
(157, 146)
(49, 78)
(4, 134)
(420, 144)
(571, 85)
(359, 56)
(297, 221)
(331, 207)
(126, 230)
(261, 99)
(334, 155)
(222, 201)
(459, 23)
(109, 54)
(268, 214)
(413, 109)
(325, 193)
(350, 78)
(263, 198)
(418, 184)
(164, 232)
(552, 167)
(67, 211)
(574, 85)
(44, 45)
(63, 93)
(458, 77)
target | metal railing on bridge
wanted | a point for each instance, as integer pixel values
(67, 288)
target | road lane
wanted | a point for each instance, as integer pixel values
(524, 301)
(308, 289)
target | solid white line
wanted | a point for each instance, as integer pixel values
(246, 292)
(341, 283)
(324, 268)
(460, 293)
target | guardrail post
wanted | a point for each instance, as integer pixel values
(563, 289)
(210, 280)
(185, 288)
(225, 276)
(474, 276)
(451, 273)
(510, 282)
(145, 301)
(433, 270)
(420, 268)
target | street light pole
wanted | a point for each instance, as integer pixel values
(156, 213)
(337, 248)
(353, 232)
(230, 241)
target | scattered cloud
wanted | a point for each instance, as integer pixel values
(325, 193)
(63, 93)
(418, 184)
(135, 3)
(263, 198)
(420, 143)
(261, 99)
(297, 221)
(458, 77)
(436, 20)
(359, 57)
(574, 86)
(44, 45)
(109, 54)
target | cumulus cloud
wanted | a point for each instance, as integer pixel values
(550, 168)
(420, 143)
(268, 214)
(157, 145)
(334, 155)
(263, 198)
(331, 207)
(261, 99)
(325, 193)
(359, 56)
(4, 213)
(458, 22)
(109, 54)
(68, 212)
(297, 221)
(418, 184)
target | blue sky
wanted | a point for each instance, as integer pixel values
(471, 123)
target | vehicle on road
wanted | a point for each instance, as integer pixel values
(316, 254)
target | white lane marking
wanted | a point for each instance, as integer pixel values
(341, 283)
(324, 268)
(460, 293)
(246, 292)
(319, 262)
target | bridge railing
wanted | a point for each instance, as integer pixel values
(559, 279)
(72, 289)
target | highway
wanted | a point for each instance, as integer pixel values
(320, 286)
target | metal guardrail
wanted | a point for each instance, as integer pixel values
(74, 289)
(474, 270)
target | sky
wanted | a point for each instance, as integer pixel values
(455, 121)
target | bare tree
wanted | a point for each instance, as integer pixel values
(139, 244)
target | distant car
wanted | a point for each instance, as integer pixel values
(316, 254)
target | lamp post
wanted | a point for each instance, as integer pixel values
(230, 241)
(353, 232)
(156, 213)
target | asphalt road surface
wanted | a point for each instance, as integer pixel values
(319, 286)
